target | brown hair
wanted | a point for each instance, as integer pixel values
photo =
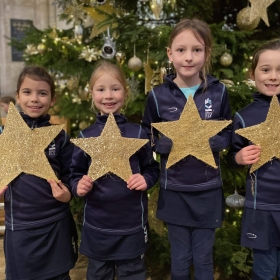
(36, 73)
(201, 31)
(112, 69)
(7, 100)
(270, 45)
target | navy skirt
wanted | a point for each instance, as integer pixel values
(260, 229)
(41, 253)
(201, 209)
(100, 246)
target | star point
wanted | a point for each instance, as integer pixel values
(265, 135)
(23, 149)
(110, 152)
(190, 135)
(258, 9)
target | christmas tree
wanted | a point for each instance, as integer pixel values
(134, 34)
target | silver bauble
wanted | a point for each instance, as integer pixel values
(235, 200)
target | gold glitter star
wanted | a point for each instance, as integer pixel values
(110, 152)
(190, 135)
(258, 9)
(22, 149)
(99, 17)
(265, 135)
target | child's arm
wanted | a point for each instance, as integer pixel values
(84, 186)
(79, 168)
(137, 182)
(241, 152)
(65, 157)
(222, 140)
(148, 166)
(60, 191)
(248, 155)
(2, 191)
(151, 115)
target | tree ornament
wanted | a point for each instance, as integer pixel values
(228, 83)
(173, 3)
(83, 125)
(134, 63)
(243, 21)
(265, 135)
(148, 74)
(155, 81)
(41, 48)
(120, 57)
(190, 135)
(78, 31)
(235, 200)
(163, 73)
(75, 11)
(73, 83)
(156, 7)
(110, 152)
(23, 149)
(98, 17)
(133, 85)
(258, 9)
(30, 50)
(226, 59)
(89, 54)
(108, 50)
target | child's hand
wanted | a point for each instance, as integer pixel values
(248, 155)
(2, 191)
(59, 191)
(137, 182)
(84, 186)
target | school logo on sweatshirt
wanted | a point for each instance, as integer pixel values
(52, 149)
(208, 108)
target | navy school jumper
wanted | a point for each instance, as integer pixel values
(111, 209)
(190, 180)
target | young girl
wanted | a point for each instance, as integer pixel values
(114, 232)
(261, 216)
(39, 225)
(191, 197)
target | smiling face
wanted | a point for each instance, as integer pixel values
(34, 97)
(267, 73)
(187, 53)
(108, 94)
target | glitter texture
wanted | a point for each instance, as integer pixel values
(265, 135)
(110, 152)
(190, 135)
(22, 149)
(258, 9)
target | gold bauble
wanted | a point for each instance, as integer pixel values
(134, 63)
(83, 125)
(226, 59)
(243, 21)
(41, 48)
(120, 57)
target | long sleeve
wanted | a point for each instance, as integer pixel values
(149, 167)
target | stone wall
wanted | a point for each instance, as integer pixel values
(43, 14)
